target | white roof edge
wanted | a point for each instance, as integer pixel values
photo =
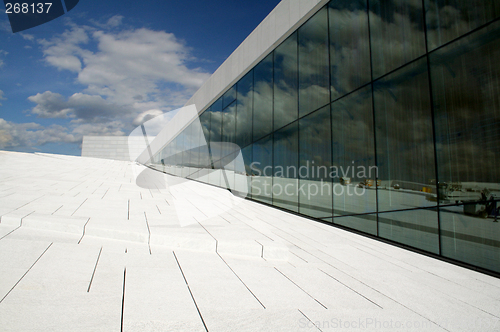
(275, 28)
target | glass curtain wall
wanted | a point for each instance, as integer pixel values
(378, 116)
(465, 88)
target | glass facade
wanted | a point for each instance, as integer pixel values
(378, 116)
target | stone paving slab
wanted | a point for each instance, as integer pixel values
(83, 247)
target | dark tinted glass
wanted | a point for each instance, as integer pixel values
(397, 33)
(349, 46)
(243, 180)
(315, 161)
(286, 161)
(179, 151)
(229, 97)
(189, 145)
(416, 228)
(449, 19)
(467, 118)
(366, 223)
(285, 83)
(263, 98)
(262, 169)
(205, 124)
(201, 149)
(467, 112)
(247, 154)
(405, 146)
(228, 130)
(216, 131)
(205, 139)
(313, 63)
(244, 110)
(368, 160)
(353, 150)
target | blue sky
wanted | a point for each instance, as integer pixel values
(103, 66)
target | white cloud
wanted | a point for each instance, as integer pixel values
(89, 114)
(2, 97)
(50, 105)
(69, 62)
(2, 52)
(129, 76)
(112, 22)
(144, 54)
(112, 128)
(146, 116)
(131, 67)
(27, 36)
(64, 51)
(13, 135)
(17, 135)
(115, 21)
(84, 107)
(5, 26)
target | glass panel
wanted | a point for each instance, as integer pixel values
(465, 78)
(216, 121)
(244, 111)
(286, 164)
(354, 171)
(263, 98)
(416, 228)
(247, 160)
(366, 223)
(199, 150)
(179, 145)
(449, 19)
(397, 33)
(349, 46)
(228, 165)
(468, 238)
(229, 130)
(313, 63)
(405, 147)
(169, 154)
(184, 152)
(215, 176)
(167, 157)
(242, 172)
(315, 188)
(202, 149)
(195, 150)
(215, 129)
(229, 97)
(262, 169)
(181, 148)
(170, 160)
(177, 157)
(205, 125)
(187, 153)
(202, 175)
(215, 140)
(193, 144)
(160, 156)
(285, 83)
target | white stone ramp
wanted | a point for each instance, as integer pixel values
(84, 248)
